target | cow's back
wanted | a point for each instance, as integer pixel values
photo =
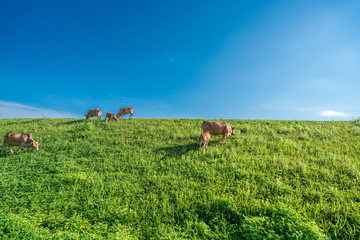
(14, 139)
(109, 115)
(127, 110)
(215, 128)
(94, 112)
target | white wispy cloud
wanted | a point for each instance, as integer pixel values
(13, 109)
(331, 113)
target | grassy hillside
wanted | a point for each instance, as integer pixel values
(144, 178)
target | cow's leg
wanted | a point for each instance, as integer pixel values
(3, 146)
(10, 149)
(224, 137)
(21, 147)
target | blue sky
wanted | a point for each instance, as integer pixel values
(193, 59)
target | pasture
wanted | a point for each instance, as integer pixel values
(145, 179)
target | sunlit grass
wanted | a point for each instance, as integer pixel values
(144, 178)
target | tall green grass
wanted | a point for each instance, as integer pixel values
(145, 179)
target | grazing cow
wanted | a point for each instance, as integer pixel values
(93, 113)
(19, 139)
(111, 117)
(204, 138)
(124, 111)
(218, 128)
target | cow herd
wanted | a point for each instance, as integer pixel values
(110, 116)
(25, 140)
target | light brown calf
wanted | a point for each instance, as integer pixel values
(124, 111)
(204, 138)
(19, 139)
(111, 117)
(93, 113)
(218, 128)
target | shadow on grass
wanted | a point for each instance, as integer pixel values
(83, 120)
(17, 121)
(7, 153)
(71, 122)
(16, 152)
(178, 150)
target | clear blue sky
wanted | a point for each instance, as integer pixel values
(195, 59)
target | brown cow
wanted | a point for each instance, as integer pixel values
(93, 113)
(124, 111)
(204, 138)
(19, 139)
(111, 117)
(218, 128)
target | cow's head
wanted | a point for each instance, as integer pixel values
(118, 115)
(34, 145)
(87, 116)
(117, 119)
(233, 131)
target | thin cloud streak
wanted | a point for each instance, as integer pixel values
(331, 113)
(13, 109)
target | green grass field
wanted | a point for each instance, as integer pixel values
(145, 179)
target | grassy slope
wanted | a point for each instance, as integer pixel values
(144, 178)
